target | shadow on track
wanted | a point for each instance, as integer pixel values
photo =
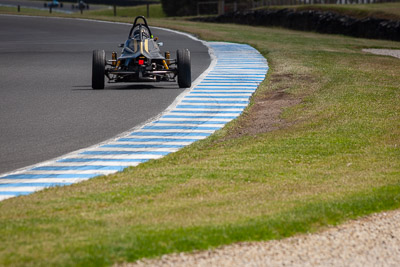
(127, 87)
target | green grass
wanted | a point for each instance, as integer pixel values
(27, 11)
(337, 159)
(107, 243)
(155, 11)
(381, 10)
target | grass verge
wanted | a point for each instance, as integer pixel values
(336, 158)
(155, 11)
(27, 11)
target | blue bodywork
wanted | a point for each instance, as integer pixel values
(53, 3)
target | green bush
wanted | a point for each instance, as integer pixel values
(174, 8)
(179, 7)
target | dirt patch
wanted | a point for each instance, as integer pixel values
(265, 113)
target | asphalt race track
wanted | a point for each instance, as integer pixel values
(47, 106)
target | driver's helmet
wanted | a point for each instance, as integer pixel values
(141, 31)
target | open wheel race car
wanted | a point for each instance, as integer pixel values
(141, 61)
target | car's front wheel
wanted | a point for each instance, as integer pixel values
(184, 68)
(98, 69)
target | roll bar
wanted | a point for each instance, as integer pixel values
(136, 24)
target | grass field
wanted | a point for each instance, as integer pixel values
(155, 11)
(333, 156)
(27, 11)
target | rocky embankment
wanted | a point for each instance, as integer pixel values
(312, 20)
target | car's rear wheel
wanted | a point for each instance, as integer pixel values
(184, 68)
(98, 69)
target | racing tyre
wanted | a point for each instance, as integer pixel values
(184, 68)
(98, 69)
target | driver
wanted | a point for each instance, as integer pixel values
(141, 33)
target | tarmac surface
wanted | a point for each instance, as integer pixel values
(47, 106)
